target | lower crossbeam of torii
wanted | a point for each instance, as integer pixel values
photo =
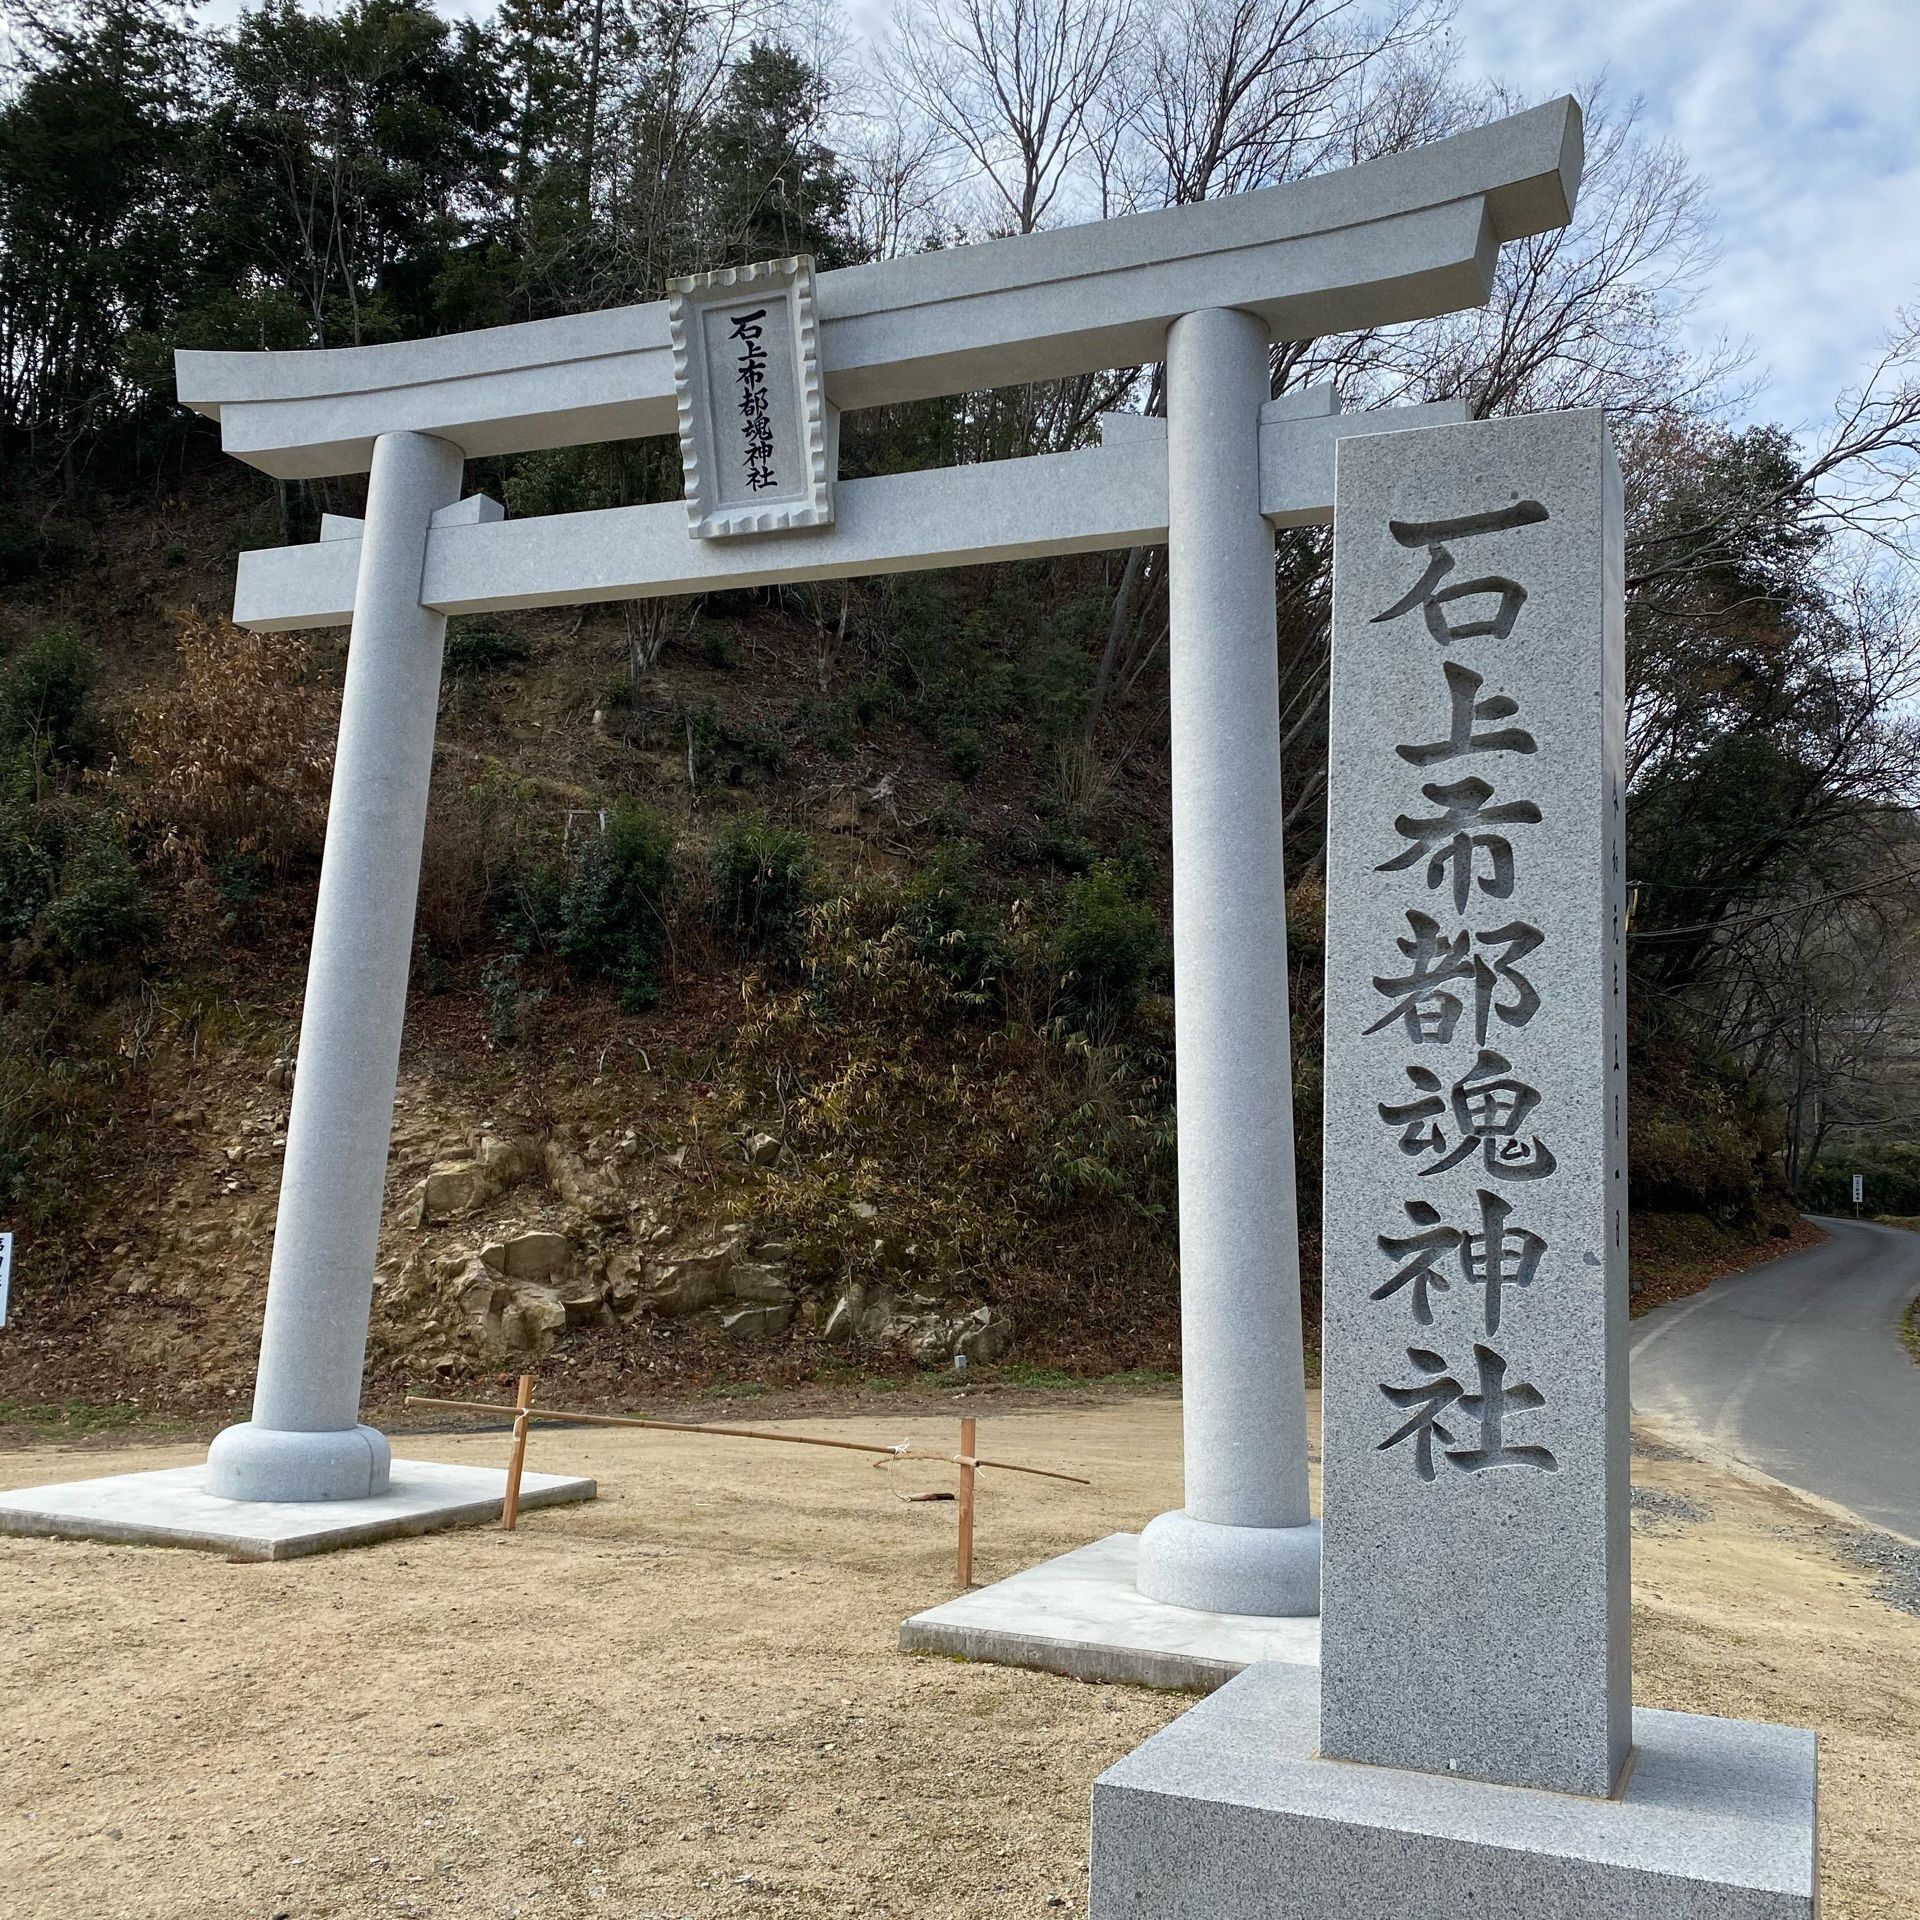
(751, 366)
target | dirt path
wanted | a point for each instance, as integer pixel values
(683, 1702)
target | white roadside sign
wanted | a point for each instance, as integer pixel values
(6, 1272)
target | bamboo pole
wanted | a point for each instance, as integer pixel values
(510, 1514)
(968, 1465)
(724, 1433)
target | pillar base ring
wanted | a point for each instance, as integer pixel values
(1270, 1571)
(252, 1462)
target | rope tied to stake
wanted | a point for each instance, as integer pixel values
(905, 1451)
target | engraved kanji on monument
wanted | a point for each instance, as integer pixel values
(752, 410)
(1474, 1588)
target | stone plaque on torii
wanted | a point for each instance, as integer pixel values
(751, 368)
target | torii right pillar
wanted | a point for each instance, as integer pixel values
(1246, 1540)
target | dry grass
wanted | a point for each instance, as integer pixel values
(685, 1699)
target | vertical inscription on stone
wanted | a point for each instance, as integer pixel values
(750, 375)
(753, 412)
(1474, 1583)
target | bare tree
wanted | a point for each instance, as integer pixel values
(1591, 314)
(1015, 87)
(1229, 95)
(902, 190)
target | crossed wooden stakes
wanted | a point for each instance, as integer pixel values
(967, 1460)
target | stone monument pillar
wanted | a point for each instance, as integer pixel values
(1475, 1362)
(1469, 1745)
(304, 1441)
(1245, 1541)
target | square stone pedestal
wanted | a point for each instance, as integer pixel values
(172, 1508)
(1082, 1615)
(1229, 1815)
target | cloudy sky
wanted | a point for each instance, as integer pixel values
(1803, 119)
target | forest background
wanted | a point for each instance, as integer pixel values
(825, 924)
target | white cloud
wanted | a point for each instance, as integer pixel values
(1800, 117)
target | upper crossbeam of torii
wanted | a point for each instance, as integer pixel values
(752, 366)
(1399, 238)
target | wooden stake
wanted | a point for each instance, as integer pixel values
(510, 1515)
(969, 1464)
(573, 1419)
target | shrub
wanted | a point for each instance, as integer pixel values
(763, 877)
(44, 691)
(29, 864)
(873, 700)
(698, 723)
(1109, 944)
(100, 915)
(1055, 686)
(475, 862)
(478, 647)
(826, 724)
(508, 997)
(966, 751)
(1891, 1171)
(945, 922)
(43, 1097)
(616, 694)
(1702, 1139)
(613, 921)
(239, 755)
(27, 549)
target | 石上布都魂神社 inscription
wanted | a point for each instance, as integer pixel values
(754, 428)
(750, 375)
(1474, 1587)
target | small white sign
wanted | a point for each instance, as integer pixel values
(1859, 1188)
(746, 368)
(6, 1272)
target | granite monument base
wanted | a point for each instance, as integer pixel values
(1229, 1814)
(1083, 1615)
(174, 1508)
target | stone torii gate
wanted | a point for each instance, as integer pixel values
(752, 367)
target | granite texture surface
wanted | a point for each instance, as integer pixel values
(1475, 1287)
(174, 1507)
(1082, 1615)
(299, 1444)
(1230, 1814)
(1243, 1387)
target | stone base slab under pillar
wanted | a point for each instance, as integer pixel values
(172, 1508)
(1082, 1615)
(1229, 1814)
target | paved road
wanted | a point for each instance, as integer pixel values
(1797, 1368)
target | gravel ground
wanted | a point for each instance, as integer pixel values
(684, 1702)
(1894, 1565)
(1658, 1511)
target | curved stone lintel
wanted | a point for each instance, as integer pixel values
(1397, 238)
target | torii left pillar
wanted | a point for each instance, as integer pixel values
(305, 1440)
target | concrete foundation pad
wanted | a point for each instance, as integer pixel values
(1228, 1814)
(172, 1508)
(1082, 1615)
